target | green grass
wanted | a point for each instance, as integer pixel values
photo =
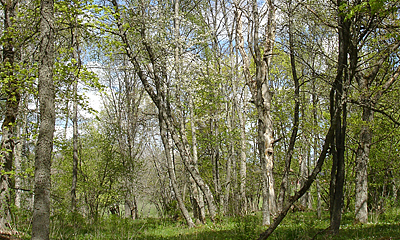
(299, 225)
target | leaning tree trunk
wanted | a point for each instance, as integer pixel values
(198, 200)
(320, 162)
(41, 208)
(171, 171)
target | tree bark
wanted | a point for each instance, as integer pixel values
(11, 112)
(328, 140)
(263, 99)
(171, 171)
(41, 209)
(338, 103)
(197, 195)
(242, 166)
(75, 157)
(362, 158)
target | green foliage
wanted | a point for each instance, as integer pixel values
(247, 227)
(299, 225)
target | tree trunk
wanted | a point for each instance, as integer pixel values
(11, 111)
(315, 147)
(197, 195)
(338, 103)
(171, 171)
(19, 149)
(293, 136)
(262, 97)
(307, 184)
(41, 210)
(362, 158)
(75, 157)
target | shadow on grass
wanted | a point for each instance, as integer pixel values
(298, 226)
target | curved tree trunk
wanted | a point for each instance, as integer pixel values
(171, 171)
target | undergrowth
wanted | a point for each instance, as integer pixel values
(299, 225)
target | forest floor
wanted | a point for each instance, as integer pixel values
(298, 225)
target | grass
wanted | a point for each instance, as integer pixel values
(299, 225)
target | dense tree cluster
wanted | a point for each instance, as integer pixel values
(208, 109)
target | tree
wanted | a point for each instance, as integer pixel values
(13, 96)
(41, 211)
(262, 96)
(157, 90)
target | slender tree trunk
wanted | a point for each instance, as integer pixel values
(231, 151)
(75, 157)
(215, 158)
(242, 166)
(41, 209)
(197, 195)
(19, 156)
(315, 148)
(18, 162)
(337, 98)
(171, 171)
(293, 136)
(321, 159)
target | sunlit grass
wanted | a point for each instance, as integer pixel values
(299, 225)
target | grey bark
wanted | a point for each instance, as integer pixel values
(41, 209)
(320, 162)
(315, 147)
(362, 158)
(19, 155)
(367, 103)
(197, 195)
(262, 96)
(171, 171)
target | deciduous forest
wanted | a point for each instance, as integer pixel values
(204, 119)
